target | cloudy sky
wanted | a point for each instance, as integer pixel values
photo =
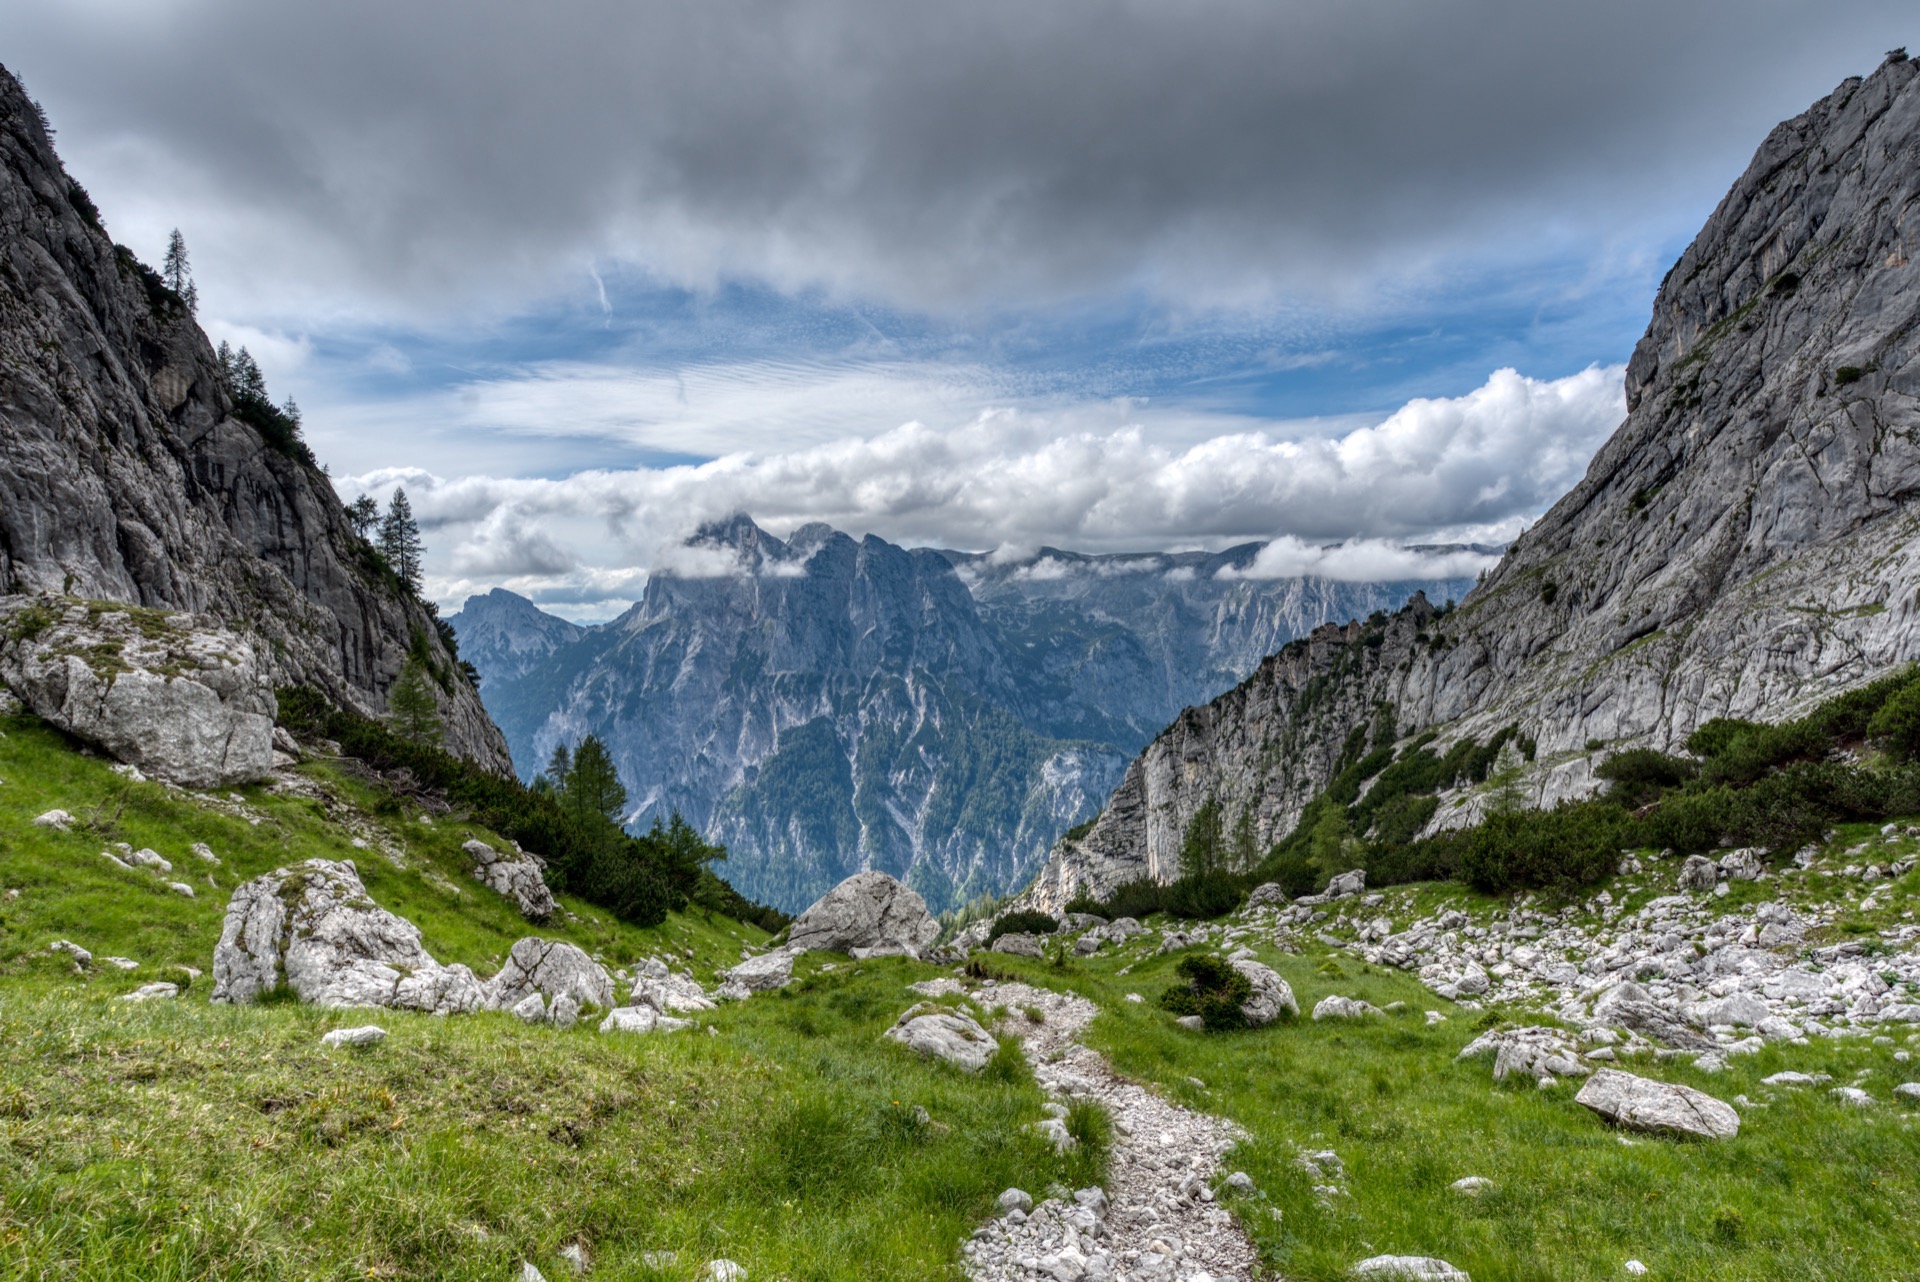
(1103, 274)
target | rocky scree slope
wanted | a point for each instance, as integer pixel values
(824, 704)
(1742, 546)
(124, 475)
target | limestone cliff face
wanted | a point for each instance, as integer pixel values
(124, 477)
(1743, 545)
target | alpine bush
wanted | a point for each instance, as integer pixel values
(1213, 990)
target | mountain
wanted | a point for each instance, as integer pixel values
(1743, 546)
(824, 705)
(127, 476)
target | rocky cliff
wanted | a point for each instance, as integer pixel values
(826, 704)
(1743, 545)
(125, 477)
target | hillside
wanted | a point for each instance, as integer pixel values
(824, 704)
(127, 474)
(1742, 547)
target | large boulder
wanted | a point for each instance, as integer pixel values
(517, 877)
(1347, 884)
(1271, 997)
(176, 695)
(867, 915)
(944, 1033)
(312, 930)
(763, 973)
(1020, 944)
(1641, 1104)
(553, 969)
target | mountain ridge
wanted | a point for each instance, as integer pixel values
(1742, 546)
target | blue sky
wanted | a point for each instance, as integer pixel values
(1104, 275)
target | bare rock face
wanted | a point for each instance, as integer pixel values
(126, 477)
(946, 1034)
(551, 969)
(517, 877)
(180, 697)
(1743, 546)
(1640, 1104)
(312, 929)
(867, 915)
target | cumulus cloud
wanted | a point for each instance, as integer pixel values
(1357, 561)
(510, 542)
(1005, 480)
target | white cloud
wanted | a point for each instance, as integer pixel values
(1358, 561)
(1018, 479)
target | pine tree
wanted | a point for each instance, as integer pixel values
(411, 707)
(249, 384)
(177, 272)
(364, 512)
(400, 539)
(593, 785)
(1204, 847)
(227, 367)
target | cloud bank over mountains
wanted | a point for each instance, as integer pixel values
(1468, 468)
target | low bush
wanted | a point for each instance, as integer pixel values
(1639, 775)
(1570, 845)
(1022, 923)
(1203, 896)
(1212, 989)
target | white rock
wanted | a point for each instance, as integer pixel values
(81, 957)
(1910, 1090)
(313, 929)
(365, 1035)
(552, 968)
(531, 1009)
(152, 992)
(1015, 1199)
(530, 1274)
(1336, 1007)
(204, 853)
(1641, 1104)
(946, 1034)
(724, 1271)
(59, 820)
(180, 888)
(1409, 1268)
(1852, 1095)
(640, 1019)
(1635, 1269)
(870, 914)
(565, 1012)
(516, 877)
(1271, 997)
(1347, 884)
(1019, 943)
(766, 972)
(670, 993)
(1472, 1185)
(1698, 873)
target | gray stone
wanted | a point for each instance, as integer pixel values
(365, 1035)
(1743, 1010)
(1337, 1007)
(765, 972)
(640, 1019)
(81, 957)
(152, 992)
(1742, 865)
(1699, 873)
(1472, 1185)
(723, 1271)
(1908, 1090)
(1015, 1200)
(1630, 1006)
(1272, 997)
(313, 929)
(178, 696)
(551, 968)
(671, 994)
(1347, 884)
(870, 914)
(1853, 1096)
(1192, 1023)
(517, 877)
(565, 1012)
(1641, 1104)
(531, 1009)
(946, 1034)
(58, 820)
(1019, 944)
(1409, 1268)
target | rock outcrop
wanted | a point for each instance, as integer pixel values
(553, 970)
(126, 477)
(867, 915)
(1663, 1108)
(313, 930)
(1743, 546)
(945, 1034)
(178, 696)
(517, 877)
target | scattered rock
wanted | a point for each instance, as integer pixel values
(81, 957)
(313, 929)
(1853, 1096)
(1631, 1006)
(576, 1257)
(365, 1035)
(1909, 1090)
(1346, 885)
(1020, 944)
(551, 968)
(58, 820)
(765, 972)
(152, 992)
(1409, 1268)
(867, 915)
(1472, 1186)
(640, 1019)
(180, 888)
(1641, 1104)
(944, 1033)
(1015, 1200)
(1271, 997)
(531, 1009)
(724, 1271)
(1699, 873)
(1742, 865)
(1336, 1007)
(204, 853)
(1537, 1053)
(516, 877)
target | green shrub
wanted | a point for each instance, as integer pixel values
(1640, 775)
(1570, 845)
(1213, 990)
(1896, 725)
(1203, 896)
(1022, 923)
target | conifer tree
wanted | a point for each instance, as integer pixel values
(593, 786)
(400, 538)
(364, 512)
(177, 272)
(411, 707)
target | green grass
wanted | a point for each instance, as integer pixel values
(1809, 1189)
(186, 1140)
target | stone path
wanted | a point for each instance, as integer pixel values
(1157, 1221)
